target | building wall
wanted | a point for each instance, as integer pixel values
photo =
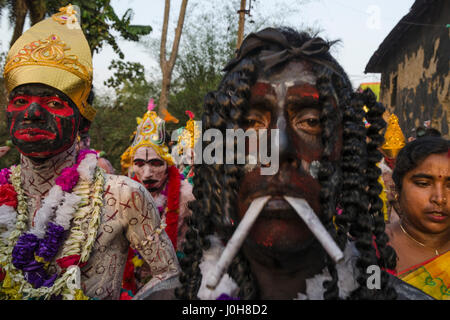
(419, 63)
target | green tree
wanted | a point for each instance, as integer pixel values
(99, 23)
(113, 127)
(98, 20)
(13, 155)
(208, 43)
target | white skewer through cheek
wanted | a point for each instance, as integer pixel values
(235, 242)
(312, 221)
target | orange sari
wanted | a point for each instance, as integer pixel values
(431, 276)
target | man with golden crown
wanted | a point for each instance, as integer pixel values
(65, 225)
(152, 165)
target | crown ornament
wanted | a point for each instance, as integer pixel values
(189, 135)
(151, 133)
(51, 52)
(394, 138)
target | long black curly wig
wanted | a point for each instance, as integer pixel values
(349, 183)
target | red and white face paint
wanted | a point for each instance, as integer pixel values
(287, 100)
(41, 120)
(150, 169)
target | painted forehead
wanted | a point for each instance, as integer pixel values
(146, 153)
(295, 72)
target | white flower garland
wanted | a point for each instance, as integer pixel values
(74, 204)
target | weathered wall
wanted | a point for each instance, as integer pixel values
(421, 63)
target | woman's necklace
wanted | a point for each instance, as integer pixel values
(420, 243)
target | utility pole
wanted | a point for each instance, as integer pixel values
(242, 13)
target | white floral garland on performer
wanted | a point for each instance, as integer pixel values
(71, 203)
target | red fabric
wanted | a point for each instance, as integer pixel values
(8, 196)
(173, 205)
(128, 280)
(390, 162)
(68, 261)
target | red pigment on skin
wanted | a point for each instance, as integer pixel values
(304, 90)
(11, 107)
(32, 135)
(58, 124)
(268, 239)
(268, 242)
(66, 111)
(261, 89)
(12, 125)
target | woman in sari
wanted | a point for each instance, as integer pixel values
(421, 237)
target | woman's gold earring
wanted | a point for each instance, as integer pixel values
(396, 197)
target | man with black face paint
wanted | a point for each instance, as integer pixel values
(153, 166)
(66, 225)
(313, 230)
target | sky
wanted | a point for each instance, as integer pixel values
(361, 25)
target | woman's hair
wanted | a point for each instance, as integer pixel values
(414, 153)
(349, 183)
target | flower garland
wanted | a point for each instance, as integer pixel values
(24, 257)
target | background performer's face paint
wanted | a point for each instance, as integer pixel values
(150, 169)
(42, 121)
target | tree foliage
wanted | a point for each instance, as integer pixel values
(99, 21)
(208, 42)
(113, 127)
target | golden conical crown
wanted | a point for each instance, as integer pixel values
(394, 140)
(54, 52)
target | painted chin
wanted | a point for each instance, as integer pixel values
(281, 235)
(34, 135)
(279, 228)
(152, 184)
